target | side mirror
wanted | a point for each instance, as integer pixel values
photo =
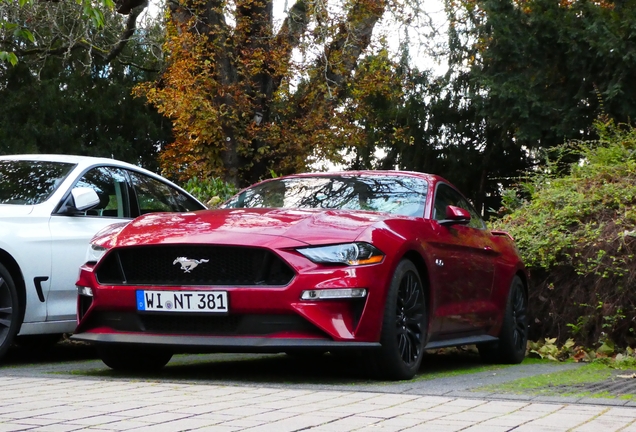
(81, 199)
(455, 215)
(84, 198)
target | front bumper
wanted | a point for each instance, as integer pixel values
(224, 344)
(260, 318)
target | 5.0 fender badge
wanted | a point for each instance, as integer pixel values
(188, 264)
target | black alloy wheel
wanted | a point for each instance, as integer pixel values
(408, 322)
(9, 310)
(519, 320)
(513, 337)
(404, 327)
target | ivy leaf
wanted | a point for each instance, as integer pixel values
(606, 349)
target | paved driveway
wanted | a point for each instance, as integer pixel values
(221, 393)
(55, 404)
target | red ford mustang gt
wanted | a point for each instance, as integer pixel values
(384, 261)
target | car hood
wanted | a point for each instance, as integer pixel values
(11, 210)
(257, 227)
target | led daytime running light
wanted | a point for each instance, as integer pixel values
(84, 291)
(328, 294)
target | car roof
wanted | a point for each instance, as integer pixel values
(57, 158)
(74, 159)
(430, 177)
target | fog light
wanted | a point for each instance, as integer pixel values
(327, 294)
(85, 291)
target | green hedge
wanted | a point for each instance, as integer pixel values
(575, 225)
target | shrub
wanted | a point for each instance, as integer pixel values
(575, 224)
(212, 191)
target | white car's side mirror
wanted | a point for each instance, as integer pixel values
(84, 198)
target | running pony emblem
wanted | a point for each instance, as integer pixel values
(188, 264)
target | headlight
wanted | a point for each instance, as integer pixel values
(358, 253)
(95, 253)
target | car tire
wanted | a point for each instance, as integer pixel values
(133, 358)
(404, 325)
(513, 337)
(9, 311)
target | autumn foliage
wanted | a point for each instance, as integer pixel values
(246, 100)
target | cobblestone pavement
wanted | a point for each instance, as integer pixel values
(69, 404)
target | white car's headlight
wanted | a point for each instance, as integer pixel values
(95, 253)
(358, 253)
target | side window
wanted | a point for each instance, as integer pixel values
(186, 203)
(445, 196)
(112, 189)
(156, 196)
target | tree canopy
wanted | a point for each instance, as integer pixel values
(523, 76)
(80, 103)
(247, 96)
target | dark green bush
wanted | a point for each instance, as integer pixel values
(575, 225)
(212, 191)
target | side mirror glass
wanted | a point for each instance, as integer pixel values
(84, 198)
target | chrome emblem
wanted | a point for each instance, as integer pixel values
(188, 264)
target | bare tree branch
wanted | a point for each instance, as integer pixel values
(60, 30)
(289, 36)
(354, 36)
(131, 26)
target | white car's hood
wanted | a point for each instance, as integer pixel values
(15, 210)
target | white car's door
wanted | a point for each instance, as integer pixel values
(70, 236)
(27, 238)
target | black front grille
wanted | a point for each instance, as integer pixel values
(170, 265)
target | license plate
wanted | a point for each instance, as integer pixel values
(182, 301)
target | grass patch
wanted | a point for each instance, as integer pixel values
(565, 383)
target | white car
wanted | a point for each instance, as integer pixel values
(50, 207)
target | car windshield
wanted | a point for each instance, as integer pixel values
(391, 194)
(25, 182)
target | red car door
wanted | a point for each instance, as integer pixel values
(463, 271)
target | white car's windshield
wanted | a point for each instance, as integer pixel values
(390, 194)
(25, 182)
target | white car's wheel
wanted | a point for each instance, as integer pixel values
(9, 310)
